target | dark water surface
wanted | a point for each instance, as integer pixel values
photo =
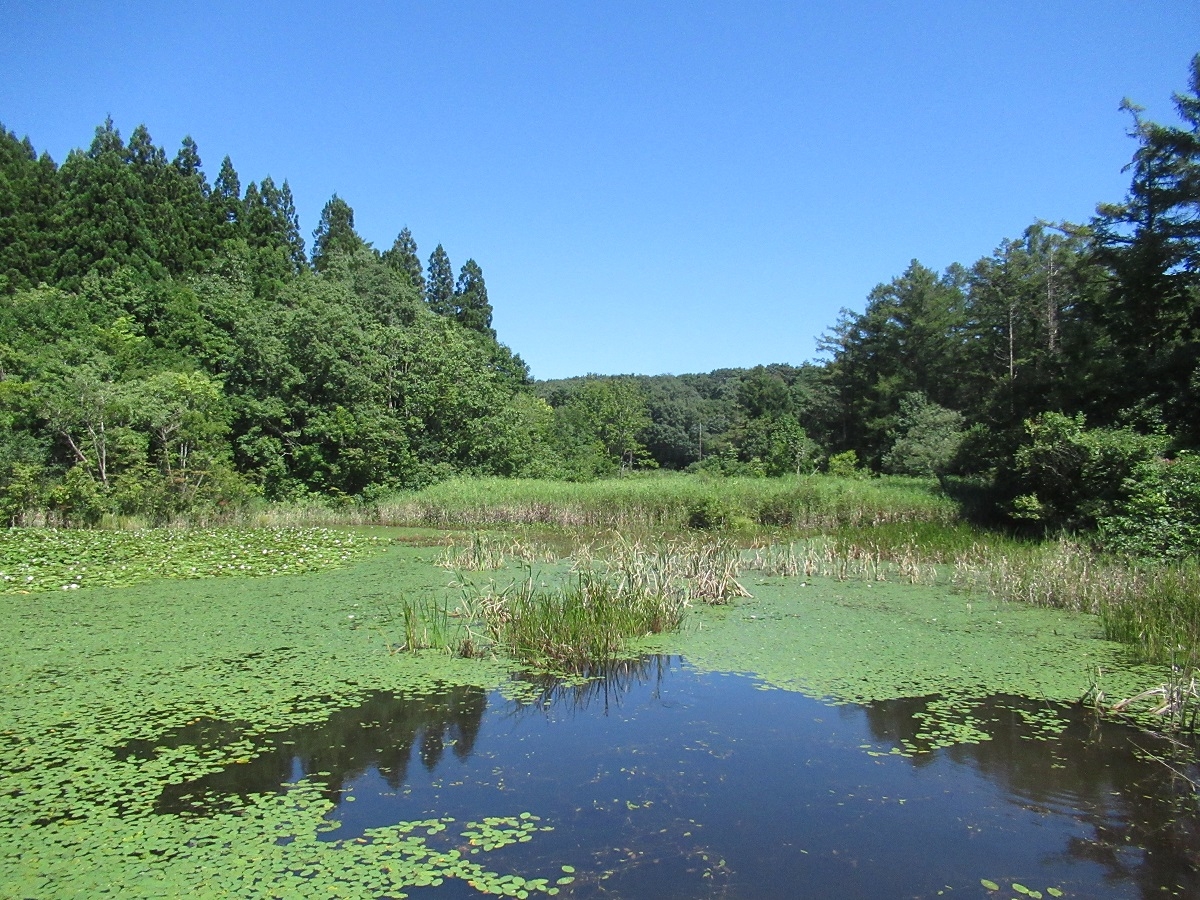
(662, 782)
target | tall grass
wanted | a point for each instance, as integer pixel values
(671, 502)
(617, 591)
(573, 625)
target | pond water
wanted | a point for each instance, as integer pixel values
(655, 779)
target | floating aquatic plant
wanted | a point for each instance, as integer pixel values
(45, 559)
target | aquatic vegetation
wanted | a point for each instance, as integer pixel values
(842, 558)
(863, 641)
(705, 569)
(667, 501)
(488, 551)
(1021, 889)
(588, 619)
(44, 559)
(89, 674)
(92, 670)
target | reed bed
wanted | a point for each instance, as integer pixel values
(671, 502)
(704, 570)
(570, 626)
(484, 551)
(845, 559)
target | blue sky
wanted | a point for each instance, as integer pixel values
(648, 187)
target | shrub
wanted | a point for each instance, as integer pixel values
(1160, 516)
(845, 465)
(1066, 475)
(928, 440)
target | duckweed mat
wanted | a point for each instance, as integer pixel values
(98, 684)
(866, 641)
(89, 672)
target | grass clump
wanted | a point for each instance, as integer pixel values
(570, 625)
(615, 592)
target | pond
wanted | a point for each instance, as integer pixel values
(656, 780)
(259, 737)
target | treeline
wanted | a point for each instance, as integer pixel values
(1061, 372)
(167, 345)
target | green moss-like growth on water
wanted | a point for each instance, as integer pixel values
(49, 559)
(867, 641)
(87, 673)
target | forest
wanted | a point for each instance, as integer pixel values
(171, 347)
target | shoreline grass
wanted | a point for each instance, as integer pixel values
(884, 528)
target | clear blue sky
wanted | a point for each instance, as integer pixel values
(649, 187)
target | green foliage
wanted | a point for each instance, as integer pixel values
(1065, 475)
(402, 257)
(335, 234)
(439, 285)
(600, 425)
(845, 465)
(927, 440)
(471, 307)
(1159, 517)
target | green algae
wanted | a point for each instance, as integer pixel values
(858, 642)
(88, 672)
(864, 642)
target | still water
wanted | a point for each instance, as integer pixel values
(660, 781)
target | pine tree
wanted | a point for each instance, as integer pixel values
(30, 194)
(1151, 243)
(439, 289)
(226, 195)
(291, 231)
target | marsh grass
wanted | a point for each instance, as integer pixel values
(570, 625)
(615, 591)
(668, 502)
(426, 624)
(482, 551)
(702, 569)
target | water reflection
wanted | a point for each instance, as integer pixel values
(383, 734)
(1134, 791)
(597, 684)
(661, 781)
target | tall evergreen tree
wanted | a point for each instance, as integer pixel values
(403, 258)
(226, 195)
(471, 306)
(291, 220)
(335, 233)
(1151, 242)
(439, 289)
(29, 198)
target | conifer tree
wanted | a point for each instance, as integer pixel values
(471, 307)
(439, 290)
(335, 233)
(403, 258)
(227, 192)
